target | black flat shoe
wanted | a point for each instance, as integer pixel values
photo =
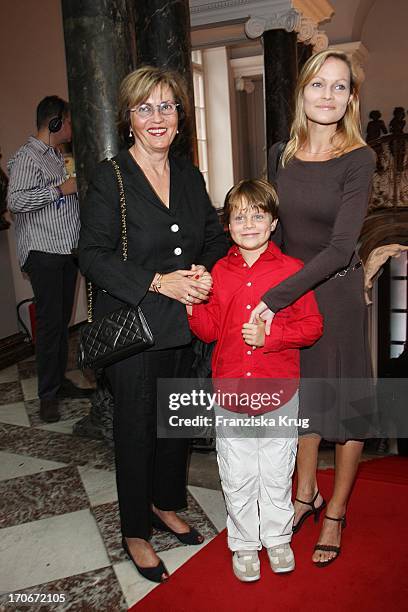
(330, 547)
(155, 574)
(191, 537)
(313, 512)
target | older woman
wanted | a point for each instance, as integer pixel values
(324, 183)
(173, 237)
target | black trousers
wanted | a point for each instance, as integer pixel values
(148, 469)
(53, 279)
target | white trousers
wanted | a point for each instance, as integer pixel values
(256, 478)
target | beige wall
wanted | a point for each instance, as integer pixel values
(384, 34)
(32, 66)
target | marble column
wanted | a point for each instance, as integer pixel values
(280, 59)
(304, 51)
(100, 51)
(163, 39)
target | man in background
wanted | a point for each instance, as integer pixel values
(45, 205)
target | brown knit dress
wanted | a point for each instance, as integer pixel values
(322, 208)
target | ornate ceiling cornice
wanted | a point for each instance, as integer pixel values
(300, 16)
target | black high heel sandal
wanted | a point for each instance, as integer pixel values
(314, 511)
(190, 538)
(154, 574)
(330, 547)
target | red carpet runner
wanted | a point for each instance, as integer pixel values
(371, 573)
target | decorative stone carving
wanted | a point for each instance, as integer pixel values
(316, 10)
(357, 52)
(306, 29)
(319, 41)
(244, 84)
(291, 21)
(288, 21)
(255, 27)
(301, 16)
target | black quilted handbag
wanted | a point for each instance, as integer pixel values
(120, 333)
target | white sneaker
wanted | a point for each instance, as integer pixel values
(281, 558)
(246, 566)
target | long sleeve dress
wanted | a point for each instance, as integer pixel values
(322, 209)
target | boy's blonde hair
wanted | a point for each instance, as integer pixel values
(255, 193)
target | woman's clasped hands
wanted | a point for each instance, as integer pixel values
(187, 286)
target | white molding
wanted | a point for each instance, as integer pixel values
(247, 66)
(203, 12)
(263, 15)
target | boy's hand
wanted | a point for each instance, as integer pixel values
(254, 333)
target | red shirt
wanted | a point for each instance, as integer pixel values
(237, 289)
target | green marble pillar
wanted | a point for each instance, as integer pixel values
(100, 51)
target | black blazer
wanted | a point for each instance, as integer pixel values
(160, 239)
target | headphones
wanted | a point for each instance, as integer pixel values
(55, 124)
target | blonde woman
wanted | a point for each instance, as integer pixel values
(323, 182)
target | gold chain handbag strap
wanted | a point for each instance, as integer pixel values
(122, 201)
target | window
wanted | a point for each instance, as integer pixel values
(199, 104)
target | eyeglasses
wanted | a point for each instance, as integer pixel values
(147, 110)
(240, 218)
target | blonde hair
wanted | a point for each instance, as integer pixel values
(256, 193)
(348, 132)
(137, 86)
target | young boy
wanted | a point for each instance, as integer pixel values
(255, 471)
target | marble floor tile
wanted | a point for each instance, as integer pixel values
(14, 414)
(212, 503)
(56, 446)
(69, 409)
(10, 392)
(65, 427)
(16, 466)
(95, 591)
(30, 388)
(135, 587)
(40, 496)
(27, 368)
(100, 485)
(50, 549)
(203, 470)
(107, 517)
(9, 374)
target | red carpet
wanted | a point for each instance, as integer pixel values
(371, 573)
